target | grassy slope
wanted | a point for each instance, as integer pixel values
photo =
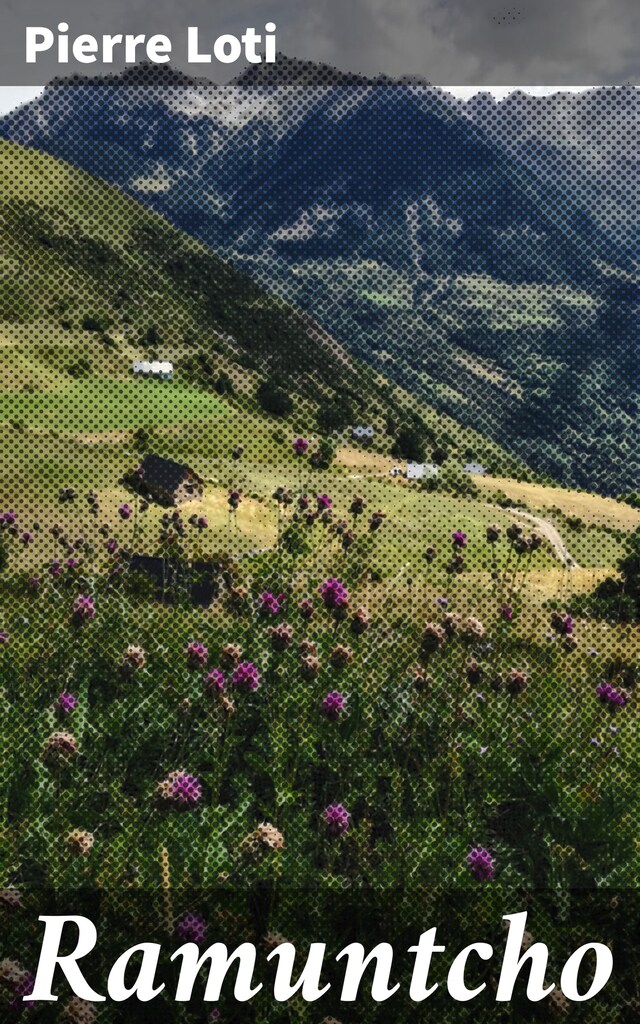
(69, 244)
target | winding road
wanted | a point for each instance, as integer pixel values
(550, 533)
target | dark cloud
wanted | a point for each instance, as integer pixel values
(559, 42)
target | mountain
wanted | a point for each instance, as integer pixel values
(446, 252)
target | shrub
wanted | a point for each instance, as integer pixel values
(274, 399)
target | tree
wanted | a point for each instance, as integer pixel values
(274, 399)
(409, 444)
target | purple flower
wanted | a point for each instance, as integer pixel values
(8, 518)
(324, 502)
(215, 681)
(506, 612)
(4, 637)
(26, 538)
(300, 445)
(112, 545)
(334, 593)
(71, 564)
(55, 569)
(125, 511)
(481, 864)
(192, 928)
(34, 583)
(186, 790)
(334, 705)
(337, 819)
(83, 609)
(305, 608)
(196, 654)
(269, 604)
(202, 523)
(442, 602)
(66, 703)
(610, 697)
(22, 988)
(246, 676)
(459, 539)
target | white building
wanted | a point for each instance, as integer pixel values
(363, 434)
(162, 371)
(475, 468)
(422, 471)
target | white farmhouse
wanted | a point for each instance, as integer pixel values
(363, 434)
(475, 468)
(158, 370)
(422, 471)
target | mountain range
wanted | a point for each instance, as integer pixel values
(482, 254)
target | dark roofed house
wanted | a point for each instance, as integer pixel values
(169, 482)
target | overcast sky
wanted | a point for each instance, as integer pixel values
(449, 42)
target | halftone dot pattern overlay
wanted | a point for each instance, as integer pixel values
(319, 531)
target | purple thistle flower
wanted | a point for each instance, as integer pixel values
(125, 511)
(334, 593)
(459, 539)
(26, 538)
(202, 523)
(112, 545)
(442, 602)
(337, 819)
(610, 697)
(71, 564)
(305, 608)
(324, 502)
(269, 604)
(8, 518)
(246, 676)
(55, 569)
(66, 703)
(196, 654)
(192, 928)
(300, 445)
(83, 609)
(481, 864)
(215, 681)
(4, 637)
(34, 583)
(334, 705)
(22, 988)
(186, 790)
(506, 612)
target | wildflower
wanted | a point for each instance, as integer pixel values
(4, 637)
(300, 445)
(430, 554)
(422, 682)
(459, 539)
(66, 703)
(180, 790)
(473, 629)
(442, 602)
(215, 681)
(125, 511)
(26, 538)
(310, 666)
(281, 637)
(562, 623)
(83, 609)
(610, 697)
(283, 496)
(135, 656)
(55, 569)
(10, 899)
(324, 502)
(493, 533)
(192, 928)
(513, 531)
(72, 564)
(433, 637)
(475, 673)
(334, 705)
(80, 843)
(230, 655)
(340, 656)
(202, 523)
(516, 682)
(196, 654)
(360, 622)
(8, 518)
(357, 506)
(266, 838)
(334, 594)
(481, 864)
(60, 750)
(451, 623)
(506, 612)
(269, 604)
(348, 539)
(34, 583)
(246, 676)
(305, 608)
(337, 820)
(78, 1011)
(303, 503)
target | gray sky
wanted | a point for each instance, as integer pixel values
(449, 42)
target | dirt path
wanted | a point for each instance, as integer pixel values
(549, 531)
